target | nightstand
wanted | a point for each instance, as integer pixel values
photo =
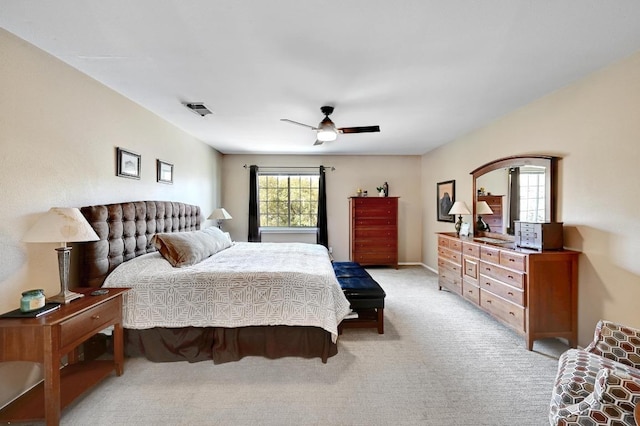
(50, 337)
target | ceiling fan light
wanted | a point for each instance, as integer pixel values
(327, 135)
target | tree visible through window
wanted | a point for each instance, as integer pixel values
(288, 200)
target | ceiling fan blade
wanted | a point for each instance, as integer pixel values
(364, 129)
(317, 142)
(299, 124)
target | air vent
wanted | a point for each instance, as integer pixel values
(198, 107)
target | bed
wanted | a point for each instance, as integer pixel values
(246, 299)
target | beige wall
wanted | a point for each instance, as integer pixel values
(58, 133)
(351, 172)
(593, 125)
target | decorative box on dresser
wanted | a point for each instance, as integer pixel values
(533, 292)
(373, 236)
(495, 220)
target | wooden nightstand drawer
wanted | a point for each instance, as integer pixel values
(75, 329)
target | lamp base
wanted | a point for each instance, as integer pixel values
(65, 297)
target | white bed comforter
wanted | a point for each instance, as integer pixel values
(247, 284)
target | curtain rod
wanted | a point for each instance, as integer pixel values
(294, 167)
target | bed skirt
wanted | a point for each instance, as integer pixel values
(222, 345)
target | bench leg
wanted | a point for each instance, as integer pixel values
(380, 320)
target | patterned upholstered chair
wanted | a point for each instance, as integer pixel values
(599, 385)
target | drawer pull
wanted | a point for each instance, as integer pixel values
(510, 293)
(488, 300)
(512, 260)
(469, 291)
(510, 277)
(488, 284)
(95, 317)
(511, 313)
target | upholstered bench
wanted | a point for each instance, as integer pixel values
(363, 293)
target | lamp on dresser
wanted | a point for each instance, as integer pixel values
(482, 208)
(62, 225)
(459, 208)
(220, 214)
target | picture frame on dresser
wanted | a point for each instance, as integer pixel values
(445, 197)
(164, 172)
(127, 164)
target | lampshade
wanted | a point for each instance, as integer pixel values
(459, 207)
(483, 208)
(220, 214)
(61, 225)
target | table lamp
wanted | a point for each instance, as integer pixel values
(62, 225)
(459, 208)
(220, 214)
(482, 208)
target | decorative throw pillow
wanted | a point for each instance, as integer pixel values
(188, 248)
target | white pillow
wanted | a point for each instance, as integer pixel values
(222, 240)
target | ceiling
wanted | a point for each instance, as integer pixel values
(425, 71)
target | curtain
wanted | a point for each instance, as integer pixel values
(514, 198)
(254, 212)
(323, 234)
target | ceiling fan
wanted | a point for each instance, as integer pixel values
(327, 131)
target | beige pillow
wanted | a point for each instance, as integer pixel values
(188, 248)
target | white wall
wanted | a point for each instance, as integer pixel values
(58, 134)
(351, 172)
(593, 125)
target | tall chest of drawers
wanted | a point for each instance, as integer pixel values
(495, 220)
(534, 293)
(373, 236)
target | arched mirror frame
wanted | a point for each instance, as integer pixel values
(551, 170)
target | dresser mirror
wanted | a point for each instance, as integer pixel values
(514, 188)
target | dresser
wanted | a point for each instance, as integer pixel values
(533, 292)
(495, 220)
(373, 233)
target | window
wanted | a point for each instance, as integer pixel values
(288, 200)
(532, 194)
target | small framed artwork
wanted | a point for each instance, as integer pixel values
(127, 164)
(165, 171)
(446, 195)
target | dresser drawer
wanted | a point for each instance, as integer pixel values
(471, 249)
(453, 256)
(505, 291)
(89, 322)
(470, 267)
(471, 292)
(513, 260)
(490, 254)
(454, 268)
(511, 314)
(508, 276)
(450, 280)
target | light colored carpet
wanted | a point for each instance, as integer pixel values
(440, 362)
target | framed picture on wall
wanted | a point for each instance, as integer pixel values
(446, 195)
(127, 164)
(164, 171)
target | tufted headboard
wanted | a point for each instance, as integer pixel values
(125, 231)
